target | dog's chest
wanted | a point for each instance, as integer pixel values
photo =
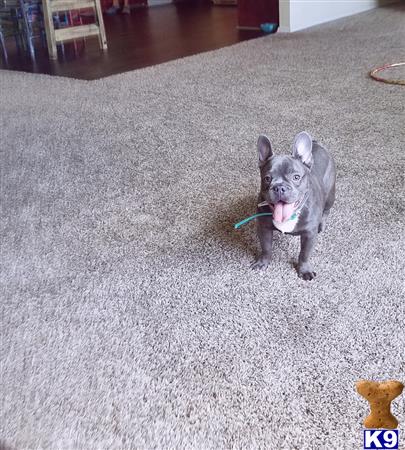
(288, 226)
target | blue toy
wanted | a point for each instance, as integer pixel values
(248, 219)
(269, 27)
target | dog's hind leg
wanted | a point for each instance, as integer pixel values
(322, 225)
(328, 205)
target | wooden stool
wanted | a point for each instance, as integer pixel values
(53, 36)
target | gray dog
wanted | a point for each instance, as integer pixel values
(299, 191)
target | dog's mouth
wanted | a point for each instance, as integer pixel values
(282, 211)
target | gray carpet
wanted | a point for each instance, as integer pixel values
(129, 316)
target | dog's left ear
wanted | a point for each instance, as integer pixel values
(302, 148)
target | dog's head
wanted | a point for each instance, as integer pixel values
(284, 178)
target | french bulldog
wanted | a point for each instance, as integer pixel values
(299, 191)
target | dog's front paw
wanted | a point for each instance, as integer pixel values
(306, 273)
(307, 276)
(261, 263)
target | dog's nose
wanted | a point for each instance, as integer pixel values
(280, 189)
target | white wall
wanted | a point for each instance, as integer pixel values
(298, 14)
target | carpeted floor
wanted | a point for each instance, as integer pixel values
(129, 316)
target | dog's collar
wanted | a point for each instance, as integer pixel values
(297, 209)
(294, 215)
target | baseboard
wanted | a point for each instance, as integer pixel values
(159, 2)
(247, 28)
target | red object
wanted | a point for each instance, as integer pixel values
(373, 74)
(105, 4)
(252, 13)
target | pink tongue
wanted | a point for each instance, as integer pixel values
(283, 211)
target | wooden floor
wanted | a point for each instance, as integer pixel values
(146, 37)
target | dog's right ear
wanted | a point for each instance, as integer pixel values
(264, 149)
(302, 148)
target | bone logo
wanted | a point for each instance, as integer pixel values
(381, 423)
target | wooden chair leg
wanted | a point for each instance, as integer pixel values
(100, 21)
(50, 30)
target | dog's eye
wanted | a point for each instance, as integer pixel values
(296, 177)
(267, 178)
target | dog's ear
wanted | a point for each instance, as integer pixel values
(264, 149)
(302, 148)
